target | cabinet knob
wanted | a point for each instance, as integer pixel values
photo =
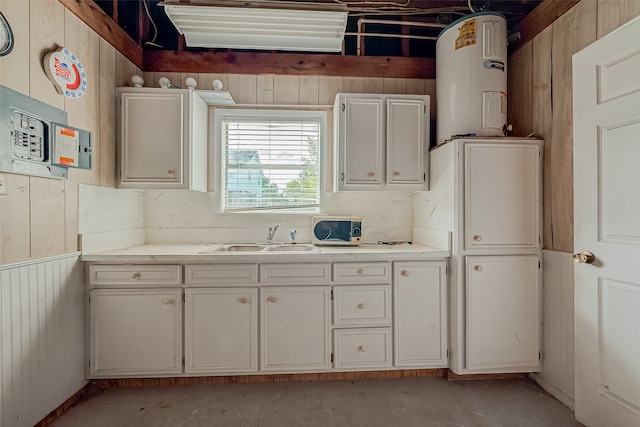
(371, 174)
(405, 273)
(478, 268)
(272, 299)
(362, 348)
(167, 301)
(396, 174)
(477, 238)
(362, 306)
(171, 172)
(135, 276)
(361, 271)
(243, 300)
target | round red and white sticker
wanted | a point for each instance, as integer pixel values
(66, 72)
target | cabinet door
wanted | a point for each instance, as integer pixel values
(295, 328)
(136, 332)
(420, 316)
(405, 141)
(152, 137)
(361, 142)
(221, 330)
(502, 189)
(503, 313)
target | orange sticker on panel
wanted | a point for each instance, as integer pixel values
(467, 34)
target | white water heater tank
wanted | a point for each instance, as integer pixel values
(471, 77)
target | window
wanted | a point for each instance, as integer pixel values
(270, 160)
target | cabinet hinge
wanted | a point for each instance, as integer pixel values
(446, 273)
(183, 361)
(447, 353)
(331, 357)
(331, 294)
(344, 107)
(424, 177)
(539, 265)
(342, 176)
(539, 355)
(424, 109)
(184, 298)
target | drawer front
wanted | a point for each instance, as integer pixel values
(362, 272)
(145, 275)
(362, 305)
(220, 275)
(295, 274)
(362, 348)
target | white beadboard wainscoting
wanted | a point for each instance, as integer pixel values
(557, 374)
(42, 337)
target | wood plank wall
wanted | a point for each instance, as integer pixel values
(540, 101)
(40, 215)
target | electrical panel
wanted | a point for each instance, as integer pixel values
(36, 140)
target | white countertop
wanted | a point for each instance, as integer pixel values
(166, 253)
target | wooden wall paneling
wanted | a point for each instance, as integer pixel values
(373, 85)
(542, 119)
(243, 88)
(149, 79)
(106, 163)
(14, 68)
(46, 24)
(308, 94)
(124, 70)
(613, 13)
(264, 89)
(353, 84)
(328, 88)
(394, 85)
(519, 83)
(571, 32)
(47, 207)
(286, 89)
(416, 86)
(15, 232)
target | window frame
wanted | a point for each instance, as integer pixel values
(221, 114)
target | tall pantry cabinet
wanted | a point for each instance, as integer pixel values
(494, 186)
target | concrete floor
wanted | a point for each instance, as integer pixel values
(371, 403)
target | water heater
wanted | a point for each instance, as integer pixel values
(471, 77)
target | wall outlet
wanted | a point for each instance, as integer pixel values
(3, 184)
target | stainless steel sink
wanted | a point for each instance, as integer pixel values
(290, 248)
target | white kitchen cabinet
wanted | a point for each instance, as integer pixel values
(490, 191)
(294, 328)
(380, 141)
(503, 312)
(220, 326)
(136, 332)
(420, 314)
(162, 139)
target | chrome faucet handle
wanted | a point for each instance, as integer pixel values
(272, 232)
(293, 236)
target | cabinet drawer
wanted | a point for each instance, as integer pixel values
(294, 274)
(228, 274)
(146, 275)
(362, 305)
(362, 272)
(362, 348)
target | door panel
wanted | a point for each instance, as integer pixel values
(606, 108)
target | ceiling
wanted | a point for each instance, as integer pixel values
(148, 25)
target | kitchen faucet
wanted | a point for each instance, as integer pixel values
(272, 232)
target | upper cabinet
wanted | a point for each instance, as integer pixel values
(380, 142)
(162, 139)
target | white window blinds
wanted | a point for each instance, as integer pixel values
(271, 160)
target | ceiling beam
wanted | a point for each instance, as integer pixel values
(288, 63)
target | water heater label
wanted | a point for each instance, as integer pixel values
(467, 34)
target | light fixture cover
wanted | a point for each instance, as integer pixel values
(260, 25)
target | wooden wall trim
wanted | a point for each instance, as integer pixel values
(540, 18)
(89, 13)
(288, 64)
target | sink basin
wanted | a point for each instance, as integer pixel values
(290, 248)
(233, 248)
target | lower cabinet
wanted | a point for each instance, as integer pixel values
(420, 316)
(136, 332)
(503, 313)
(294, 333)
(221, 330)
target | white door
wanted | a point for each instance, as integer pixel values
(606, 105)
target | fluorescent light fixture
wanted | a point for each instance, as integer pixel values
(260, 25)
